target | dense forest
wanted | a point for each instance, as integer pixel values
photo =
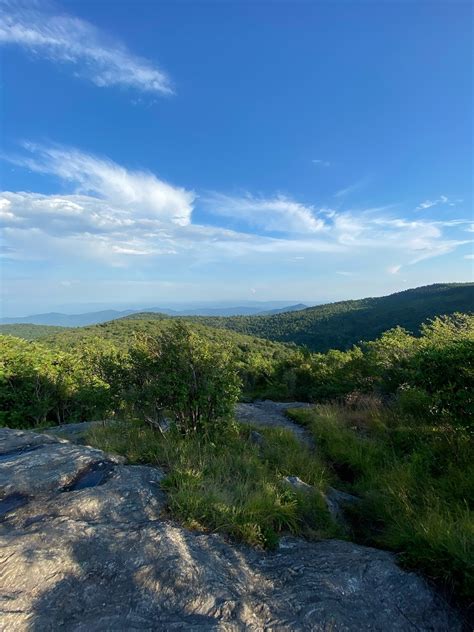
(29, 331)
(340, 325)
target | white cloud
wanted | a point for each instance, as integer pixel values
(394, 269)
(66, 39)
(430, 203)
(115, 215)
(468, 256)
(137, 191)
(278, 214)
(322, 163)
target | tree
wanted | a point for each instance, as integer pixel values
(194, 379)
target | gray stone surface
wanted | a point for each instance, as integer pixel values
(257, 438)
(297, 484)
(338, 502)
(76, 432)
(108, 558)
(269, 414)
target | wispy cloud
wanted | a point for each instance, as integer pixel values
(352, 188)
(430, 203)
(66, 39)
(137, 191)
(394, 269)
(277, 214)
(322, 163)
(117, 215)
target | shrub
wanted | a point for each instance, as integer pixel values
(447, 374)
(413, 401)
(181, 371)
(38, 385)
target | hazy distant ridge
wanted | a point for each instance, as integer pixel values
(59, 319)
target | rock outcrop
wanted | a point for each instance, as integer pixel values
(268, 414)
(88, 546)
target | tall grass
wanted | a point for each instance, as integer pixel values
(416, 482)
(229, 484)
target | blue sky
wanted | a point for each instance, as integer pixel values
(192, 151)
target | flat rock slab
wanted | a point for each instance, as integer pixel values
(106, 558)
(36, 464)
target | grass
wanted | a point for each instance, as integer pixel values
(416, 483)
(229, 484)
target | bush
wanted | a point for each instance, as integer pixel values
(446, 374)
(194, 379)
(38, 386)
(413, 401)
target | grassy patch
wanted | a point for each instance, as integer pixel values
(230, 484)
(416, 482)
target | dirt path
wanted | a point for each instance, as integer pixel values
(269, 414)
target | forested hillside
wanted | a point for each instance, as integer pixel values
(343, 324)
(331, 326)
(256, 358)
(30, 332)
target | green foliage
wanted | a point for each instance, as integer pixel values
(344, 324)
(29, 331)
(40, 386)
(255, 359)
(416, 481)
(229, 484)
(194, 379)
(432, 373)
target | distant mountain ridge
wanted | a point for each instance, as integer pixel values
(292, 308)
(59, 319)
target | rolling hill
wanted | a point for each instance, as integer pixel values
(340, 325)
(331, 326)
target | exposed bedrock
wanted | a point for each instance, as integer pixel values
(103, 555)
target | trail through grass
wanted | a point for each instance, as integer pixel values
(229, 484)
(416, 482)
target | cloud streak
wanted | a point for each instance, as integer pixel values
(352, 188)
(117, 216)
(68, 40)
(276, 214)
(430, 203)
